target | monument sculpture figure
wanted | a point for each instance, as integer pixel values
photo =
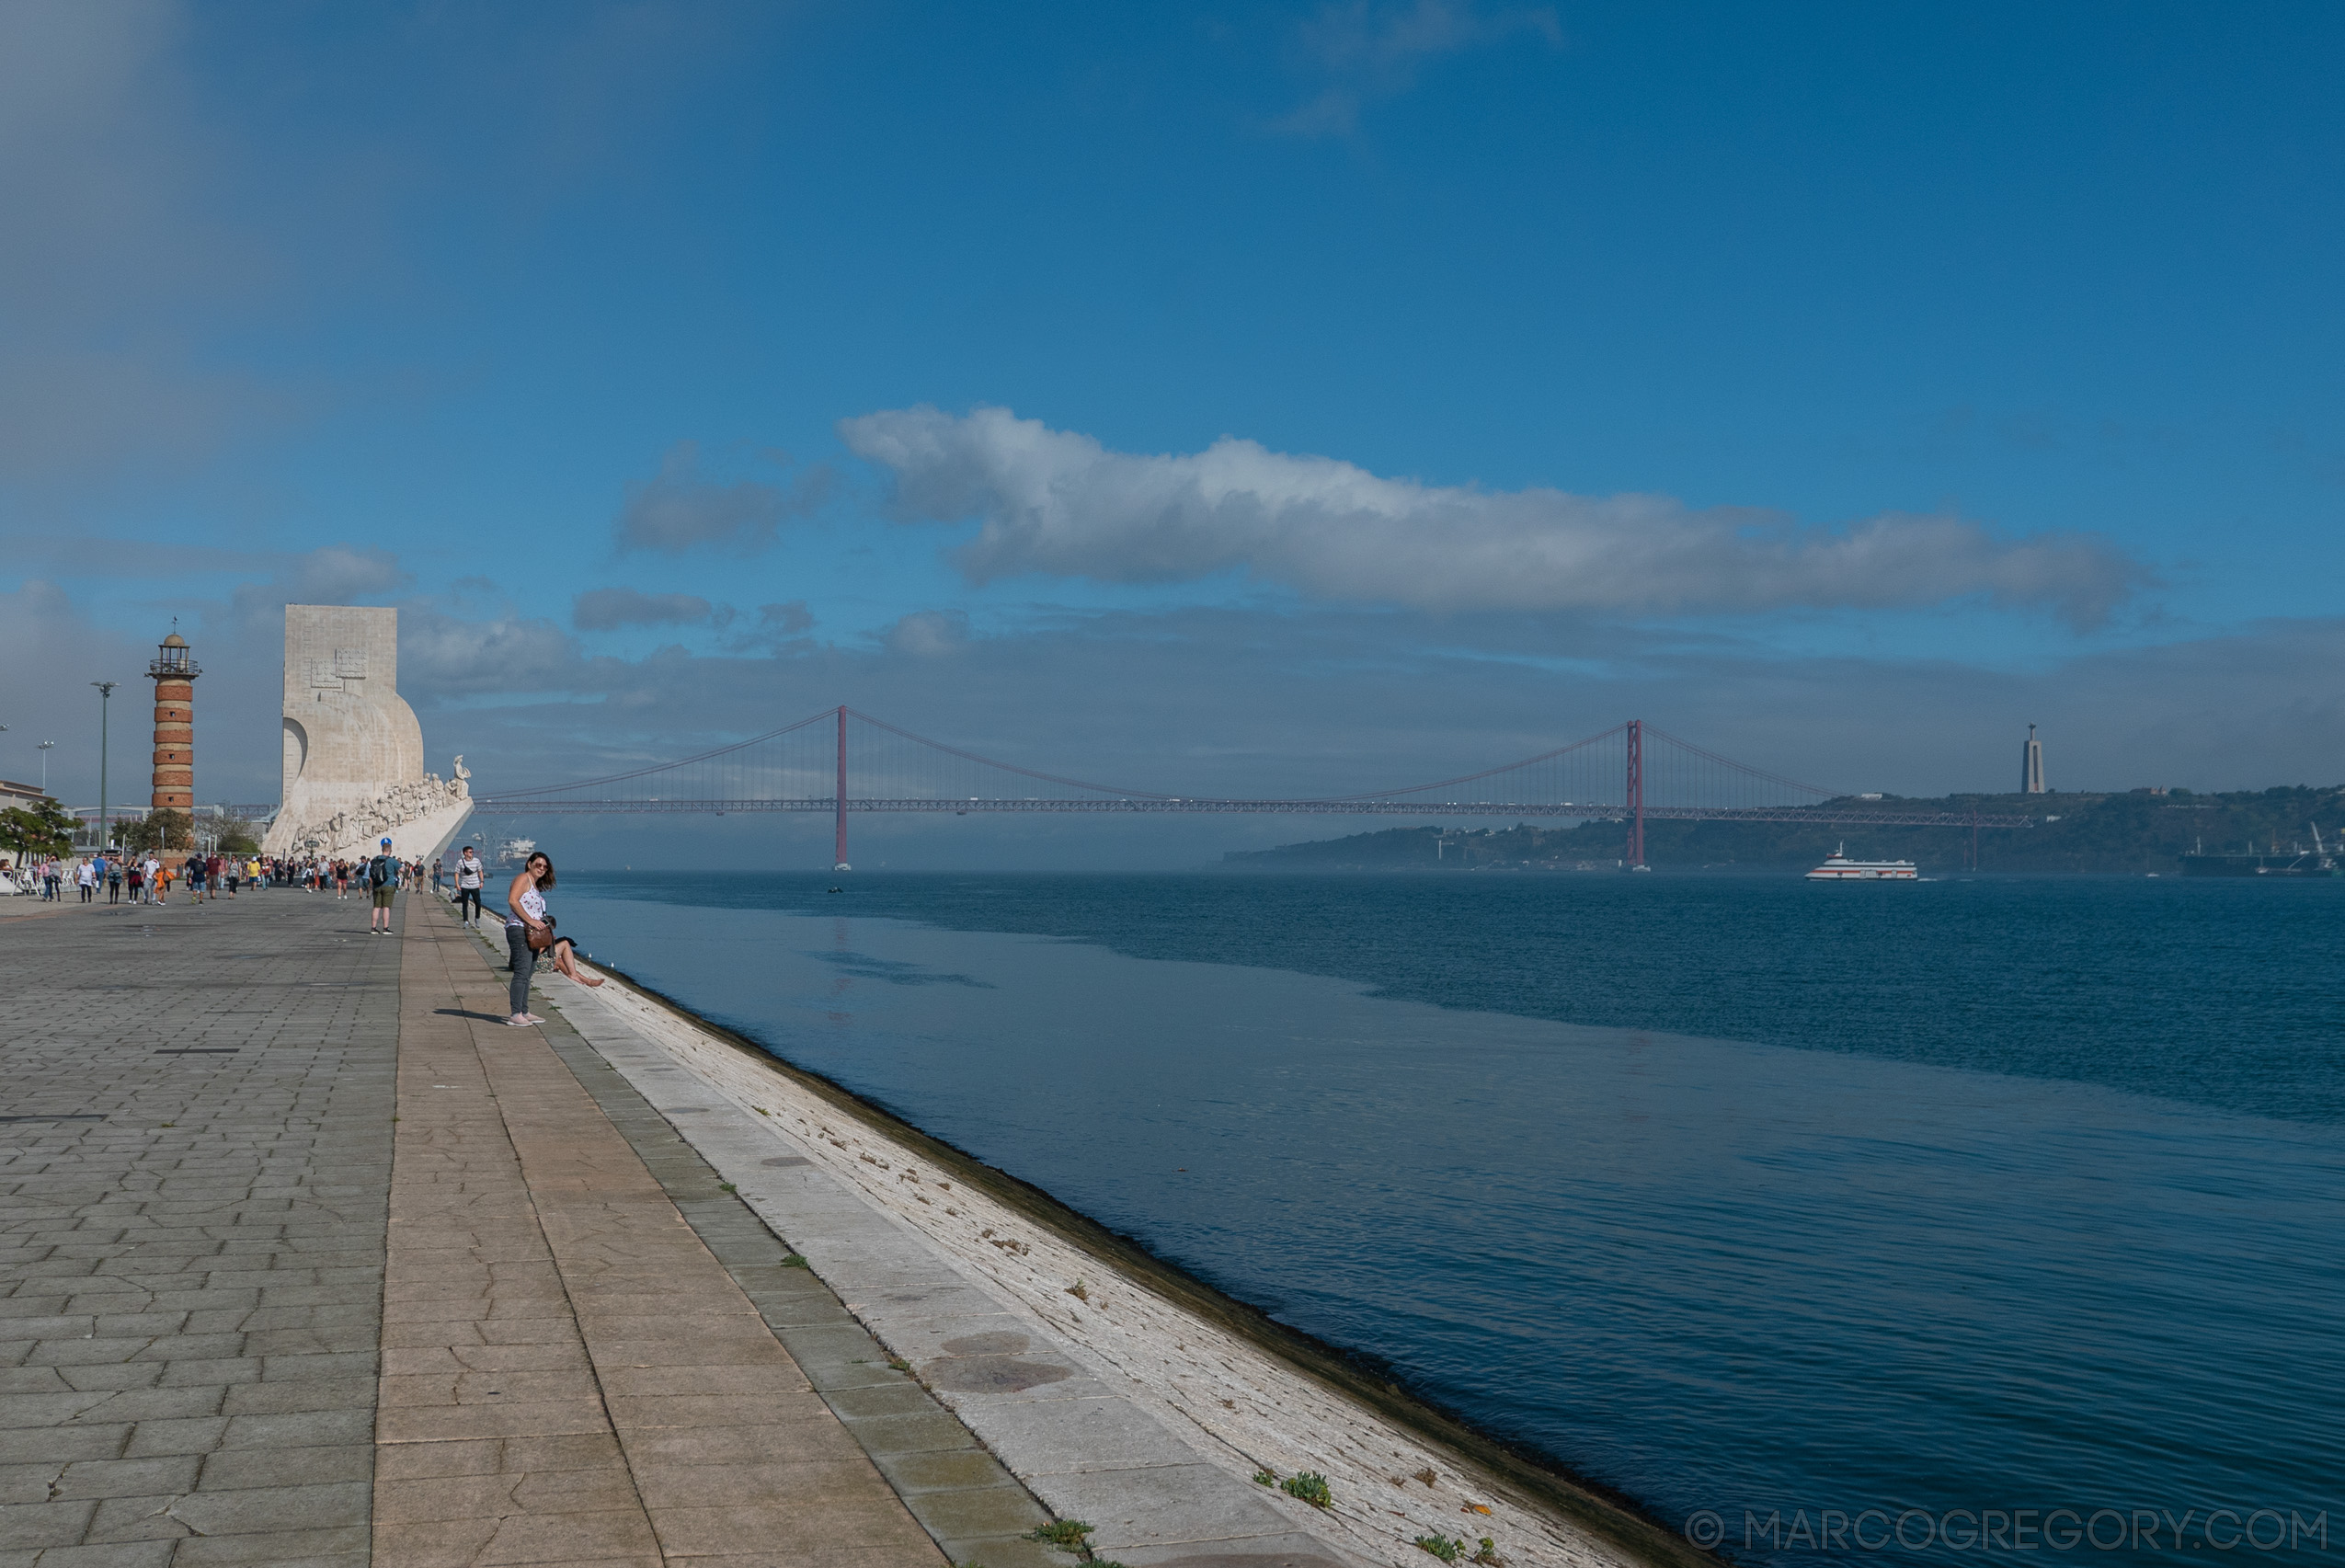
(353, 764)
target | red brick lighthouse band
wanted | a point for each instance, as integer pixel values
(174, 672)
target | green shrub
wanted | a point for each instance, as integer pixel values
(1066, 1535)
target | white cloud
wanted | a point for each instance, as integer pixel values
(605, 609)
(441, 657)
(334, 574)
(1059, 503)
(1369, 51)
(680, 510)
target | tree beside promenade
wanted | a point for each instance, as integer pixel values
(39, 829)
(165, 830)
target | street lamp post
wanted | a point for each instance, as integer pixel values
(105, 705)
(43, 750)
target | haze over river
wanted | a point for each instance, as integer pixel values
(1736, 1193)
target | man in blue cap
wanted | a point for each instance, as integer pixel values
(383, 875)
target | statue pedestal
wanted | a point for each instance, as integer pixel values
(419, 838)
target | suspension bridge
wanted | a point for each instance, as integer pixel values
(840, 761)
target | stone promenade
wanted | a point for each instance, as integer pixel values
(308, 1258)
(195, 1163)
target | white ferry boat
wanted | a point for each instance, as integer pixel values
(1838, 867)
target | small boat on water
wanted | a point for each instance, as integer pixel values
(1838, 867)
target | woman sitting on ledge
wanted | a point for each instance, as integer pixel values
(563, 955)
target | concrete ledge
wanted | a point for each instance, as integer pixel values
(1018, 1386)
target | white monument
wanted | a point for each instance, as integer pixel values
(353, 750)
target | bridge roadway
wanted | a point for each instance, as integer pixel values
(1809, 815)
(308, 1258)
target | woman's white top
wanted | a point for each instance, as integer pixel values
(533, 905)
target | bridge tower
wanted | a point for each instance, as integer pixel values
(839, 847)
(1635, 858)
(174, 671)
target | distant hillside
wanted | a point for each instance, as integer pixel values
(2134, 832)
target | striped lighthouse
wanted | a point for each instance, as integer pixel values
(174, 672)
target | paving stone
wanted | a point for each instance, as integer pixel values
(234, 1468)
(940, 1470)
(309, 1546)
(989, 1510)
(153, 1405)
(147, 1518)
(31, 1526)
(127, 1478)
(922, 1432)
(1007, 1552)
(276, 1507)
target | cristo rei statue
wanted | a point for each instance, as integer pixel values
(354, 770)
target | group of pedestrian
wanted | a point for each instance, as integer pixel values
(148, 878)
(145, 877)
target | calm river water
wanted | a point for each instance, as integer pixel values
(1734, 1193)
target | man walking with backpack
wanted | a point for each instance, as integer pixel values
(383, 875)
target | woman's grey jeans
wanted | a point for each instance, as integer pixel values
(516, 941)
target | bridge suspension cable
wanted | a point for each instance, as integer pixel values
(840, 761)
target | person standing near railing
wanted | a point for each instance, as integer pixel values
(526, 933)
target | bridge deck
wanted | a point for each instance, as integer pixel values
(1582, 811)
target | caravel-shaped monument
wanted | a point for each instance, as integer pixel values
(354, 770)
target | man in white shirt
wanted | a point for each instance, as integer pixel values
(470, 874)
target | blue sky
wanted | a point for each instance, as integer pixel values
(1223, 397)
